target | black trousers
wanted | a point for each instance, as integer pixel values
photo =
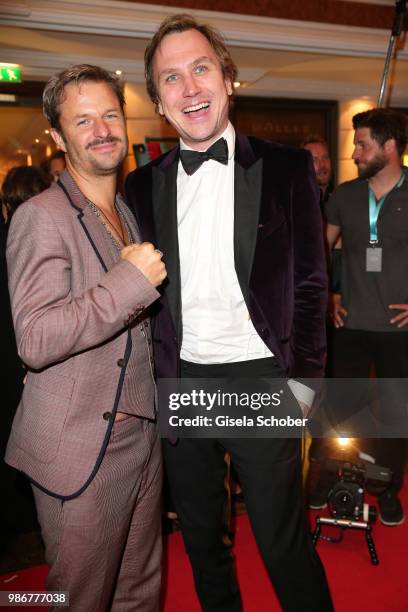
(270, 474)
(355, 354)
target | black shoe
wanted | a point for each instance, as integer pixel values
(391, 512)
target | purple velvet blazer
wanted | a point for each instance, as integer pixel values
(278, 248)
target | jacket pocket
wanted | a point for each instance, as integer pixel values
(41, 415)
(269, 227)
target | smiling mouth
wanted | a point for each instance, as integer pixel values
(100, 142)
(194, 109)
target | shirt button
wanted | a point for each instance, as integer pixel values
(106, 416)
(121, 362)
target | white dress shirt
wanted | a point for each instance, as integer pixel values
(216, 323)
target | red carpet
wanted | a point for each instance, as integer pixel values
(356, 584)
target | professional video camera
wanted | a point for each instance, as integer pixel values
(346, 498)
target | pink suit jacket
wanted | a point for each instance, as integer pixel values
(73, 322)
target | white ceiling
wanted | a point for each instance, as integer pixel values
(268, 72)
(276, 58)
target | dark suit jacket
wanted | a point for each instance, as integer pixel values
(278, 247)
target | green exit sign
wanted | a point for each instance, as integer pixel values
(10, 75)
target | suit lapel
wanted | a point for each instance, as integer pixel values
(247, 204)
(164, 188)
(104, 248)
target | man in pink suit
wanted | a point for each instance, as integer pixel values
(84, 432)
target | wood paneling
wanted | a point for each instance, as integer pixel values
(287, 121)
(326, 11)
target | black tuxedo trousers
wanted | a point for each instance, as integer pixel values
(271, 478)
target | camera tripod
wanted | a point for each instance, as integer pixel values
(343, 524)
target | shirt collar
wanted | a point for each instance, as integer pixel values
(402, 179)
(228, 134)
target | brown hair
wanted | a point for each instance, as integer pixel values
(53, 94)
(182, 23)
(22, 183)
(313, 139)
(46, 163)
(384, 124)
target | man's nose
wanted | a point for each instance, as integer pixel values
(191, 87)
(101, 128)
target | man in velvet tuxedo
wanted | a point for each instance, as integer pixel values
(240, 232)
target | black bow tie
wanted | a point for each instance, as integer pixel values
(192, 160)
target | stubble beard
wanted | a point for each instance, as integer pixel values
(323, 179)
(97, 166)
(372, 167)
(112, 168)
(112, 164)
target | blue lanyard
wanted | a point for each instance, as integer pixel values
(375, 208)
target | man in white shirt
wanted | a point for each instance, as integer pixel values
(242, 301)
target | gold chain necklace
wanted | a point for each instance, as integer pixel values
(107, 224)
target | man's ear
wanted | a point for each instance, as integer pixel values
(160, 108)
(390, 146)
(58, 139)
(229, 87)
